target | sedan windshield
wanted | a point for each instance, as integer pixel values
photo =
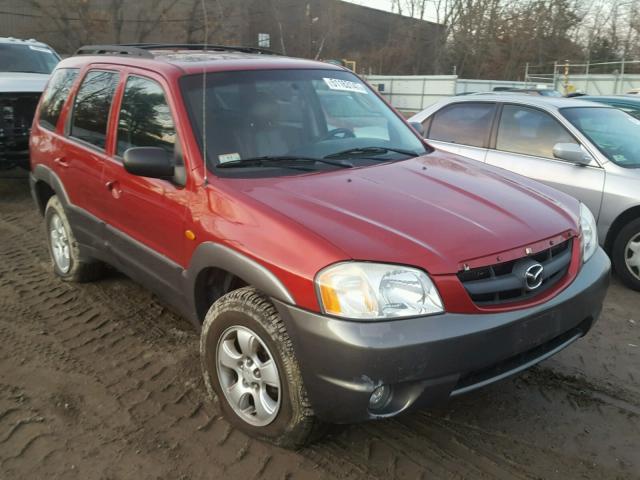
(614, 132)
(26, 58)
(267, 119)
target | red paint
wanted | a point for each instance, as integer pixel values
(436, 212)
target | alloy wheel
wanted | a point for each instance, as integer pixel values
(60, 245)
(632, 256)
(248, 375)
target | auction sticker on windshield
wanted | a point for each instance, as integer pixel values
(229, 157)
(344, 85)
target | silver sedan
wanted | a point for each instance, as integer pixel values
(588, 150)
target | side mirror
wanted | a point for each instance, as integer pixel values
(417, 126)
(571, 152)
(153, 162)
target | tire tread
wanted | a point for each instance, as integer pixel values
(304, 428)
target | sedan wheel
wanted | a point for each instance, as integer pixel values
(632, 256)
(625, 254)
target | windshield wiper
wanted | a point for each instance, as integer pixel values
(361, 151)
(286, 161)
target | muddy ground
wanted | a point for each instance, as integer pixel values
(101, 381)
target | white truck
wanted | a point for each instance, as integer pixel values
(25, 66)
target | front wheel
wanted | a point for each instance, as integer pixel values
(626, 254)
(249, 364)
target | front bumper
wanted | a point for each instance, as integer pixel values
(430, 359)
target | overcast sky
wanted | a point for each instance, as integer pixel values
(382, 5)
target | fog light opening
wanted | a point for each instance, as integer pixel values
(380, 397)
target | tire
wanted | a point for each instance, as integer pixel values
(73, 268)
(622, 255)
(244, 312)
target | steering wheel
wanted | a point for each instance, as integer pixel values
(337, 133)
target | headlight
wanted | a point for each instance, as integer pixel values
(589, 232)
(371, 291)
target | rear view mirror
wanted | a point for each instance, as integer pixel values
(417, 126)
(153, 162)
(571, 152)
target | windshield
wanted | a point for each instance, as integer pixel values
(27, 59)
(613, 131)
(287, 114)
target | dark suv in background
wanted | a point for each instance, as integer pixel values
(339, 268)
(25, 66)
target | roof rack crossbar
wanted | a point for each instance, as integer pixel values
(113, 50)
(142, 49)
(200, 46)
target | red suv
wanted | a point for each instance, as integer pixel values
(338, 267)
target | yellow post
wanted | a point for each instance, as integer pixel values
(350, 64)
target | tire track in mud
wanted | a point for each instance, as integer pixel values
(24, 433)
(112, 342)
(156, 385)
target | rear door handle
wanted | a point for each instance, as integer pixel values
(61, 161)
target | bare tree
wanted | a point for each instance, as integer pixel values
(149, 20)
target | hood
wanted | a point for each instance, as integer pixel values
(435, 211)
(19, 82)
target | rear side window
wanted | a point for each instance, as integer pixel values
(92, 106)
(145, 119)
(463, 123)
(55, 96)
(529, 131)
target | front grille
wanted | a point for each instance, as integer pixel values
(16, 115)
(505, 282)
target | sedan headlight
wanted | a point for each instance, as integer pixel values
(374, 291)
(589, 232)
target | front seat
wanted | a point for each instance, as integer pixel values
(265, 135)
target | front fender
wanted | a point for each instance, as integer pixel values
(215, 255)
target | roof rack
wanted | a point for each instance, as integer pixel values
(142, 49)
(113, 50)
(201, 46)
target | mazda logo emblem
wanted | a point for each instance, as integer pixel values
(533, 276)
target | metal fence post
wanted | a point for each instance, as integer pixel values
(586, 81)
(622, 76)
(565, 81)
(526, 73)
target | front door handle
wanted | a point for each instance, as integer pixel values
(114, 187)
(61, 161)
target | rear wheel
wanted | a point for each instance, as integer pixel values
(249, 364)
(626, 254)
(63, 247)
